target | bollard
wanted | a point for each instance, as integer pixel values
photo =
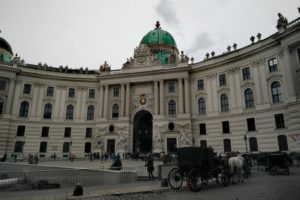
(164, 182)
(78, 190)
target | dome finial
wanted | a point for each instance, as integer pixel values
(157, 25)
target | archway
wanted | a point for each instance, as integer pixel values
(142, 132)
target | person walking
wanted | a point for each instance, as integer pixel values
(150, 166)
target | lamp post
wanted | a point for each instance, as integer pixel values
(245, 139)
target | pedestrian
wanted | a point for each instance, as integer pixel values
(150, 166)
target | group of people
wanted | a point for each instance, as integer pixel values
(33, 159)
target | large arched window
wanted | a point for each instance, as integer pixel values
(253, 144)
(43, 147)
(201, 106)
(115, 111)
(282, 143)
(24, 109)
(276, 92)
(48, 111)
(227, 145)
(70, 112)
(172, 108)
(90, 113)
(224, 103)
(1, 105)
(249, 100)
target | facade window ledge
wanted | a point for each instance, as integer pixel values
(69, 120)
(280, 129)
(27, 96)
(18, 136)
(248, 82)
(251, 132)
(227, 133)
(223, 88)
(275, 74)
(277, 104)
(224, 113)
(200, 92)
(250, 109)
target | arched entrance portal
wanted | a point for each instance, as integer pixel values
(142, 132)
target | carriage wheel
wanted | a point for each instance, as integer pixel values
(224, 179)
(194, 180)
(175, 178)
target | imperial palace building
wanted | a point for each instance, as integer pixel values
(246, 99)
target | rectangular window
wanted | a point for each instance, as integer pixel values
(27, 89)
(225, 126)
(68, 132)
(50, 91)
(279, 121)
(2, 85)
(91, 93)
(200, 84)
(273, 65)
(202, 128)
(71, 92)
(246, 73)
(116, 92)
(171, 87)
(88, 132)
(298, 52)
(45, 131)
(251, 124)
(21, 131)
(222, 79)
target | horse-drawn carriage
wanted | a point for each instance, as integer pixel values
(196, 165)
(277, 163)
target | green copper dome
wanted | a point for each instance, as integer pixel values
(158, 36)
(162, 45)
(6, 52)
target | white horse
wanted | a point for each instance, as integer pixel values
(236, 168)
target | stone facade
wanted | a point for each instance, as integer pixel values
(253, 91)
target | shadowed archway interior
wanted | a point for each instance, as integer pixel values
(142, 132)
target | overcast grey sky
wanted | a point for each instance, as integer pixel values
(88, 32)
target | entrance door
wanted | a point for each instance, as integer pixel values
(110, 146)
(142, 132)
(171, 145)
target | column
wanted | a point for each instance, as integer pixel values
(122, 99)
(161, 96)
(127, 98)
(239, 93)
(155, 97)
(34, 102)
(180, 95)
(16, 102)
(105, 101)
(12, 83)
(77, 109)
(40, 108)
(101, 102)
(83, 106)
(187, 95)
(258, 91)
(232, 91)
(290, 75)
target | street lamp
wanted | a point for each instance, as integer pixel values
(245, 139)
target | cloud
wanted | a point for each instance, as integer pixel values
(166, 9)
(201, 42)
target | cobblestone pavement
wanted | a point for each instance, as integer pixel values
(260, 186)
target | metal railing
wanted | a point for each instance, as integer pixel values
(67, 177)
